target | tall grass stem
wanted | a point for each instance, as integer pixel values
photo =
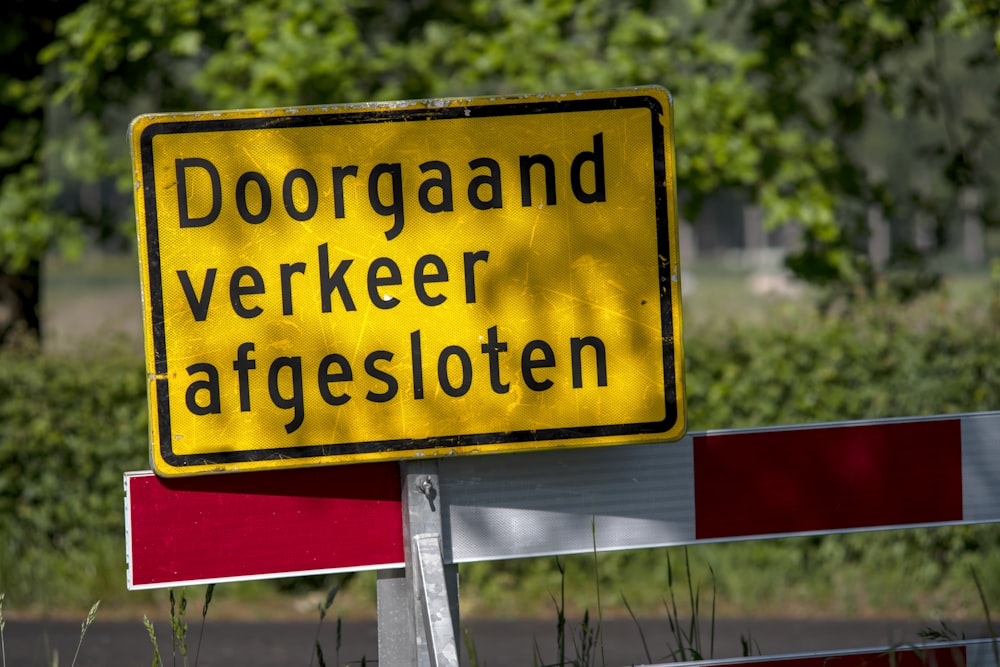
(597, 586)
(157, 661)
(204, 612)
(3, 649)
(642, 635)
(323, 608)
(178, 627)
(91, 615)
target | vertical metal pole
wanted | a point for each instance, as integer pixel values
(418, 608)
(395, 619)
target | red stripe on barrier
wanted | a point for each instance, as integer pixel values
(923, 656)
(264, 523)
(830, 478)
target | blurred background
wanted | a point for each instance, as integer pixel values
(839, 227)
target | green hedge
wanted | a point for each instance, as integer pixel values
(70, 424)
(870, 363)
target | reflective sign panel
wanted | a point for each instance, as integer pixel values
(344, 284)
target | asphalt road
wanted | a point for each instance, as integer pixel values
(499, 643)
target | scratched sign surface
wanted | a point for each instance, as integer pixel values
(381, 281)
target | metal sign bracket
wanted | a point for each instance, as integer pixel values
(418, 607)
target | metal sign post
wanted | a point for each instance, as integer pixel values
(418, 614)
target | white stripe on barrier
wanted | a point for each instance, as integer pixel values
(549, 503)
(981, 467)
(982, 653)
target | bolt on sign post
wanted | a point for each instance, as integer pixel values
(389, 280)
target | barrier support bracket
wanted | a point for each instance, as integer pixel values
(418, 607)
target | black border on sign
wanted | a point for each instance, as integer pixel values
(160, 362)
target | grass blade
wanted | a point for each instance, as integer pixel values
(748, 644)
(470, 648)
(178, 627)
(323, 608)
(339, 639)
(694, 602)
(642, 635)
(672, 616)
(157, 662)
(561, 614)
(91, 615)
(989, 620)
(3, 649)
(597, 586)
(331, 594)
(944, 634)
(580, 642)
(711, 632)
(688, 635)
(204, 612)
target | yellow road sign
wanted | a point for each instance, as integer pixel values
(388, 280)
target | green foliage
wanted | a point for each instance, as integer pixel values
(921, 572)
(290, 53)
(904, 93)
(70, 425)
(312, 53)
(810, 109)
(869, 362)
(26, 228)
(27, 225)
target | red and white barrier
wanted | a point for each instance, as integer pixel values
(727, 485)
(710, 486)
(971, 653)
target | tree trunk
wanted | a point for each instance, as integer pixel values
(20, 304)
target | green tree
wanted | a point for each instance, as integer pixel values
(779, 100)
(27, 227)
(73, 70)
(229, 54)
(725, 128)
(853, 73)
